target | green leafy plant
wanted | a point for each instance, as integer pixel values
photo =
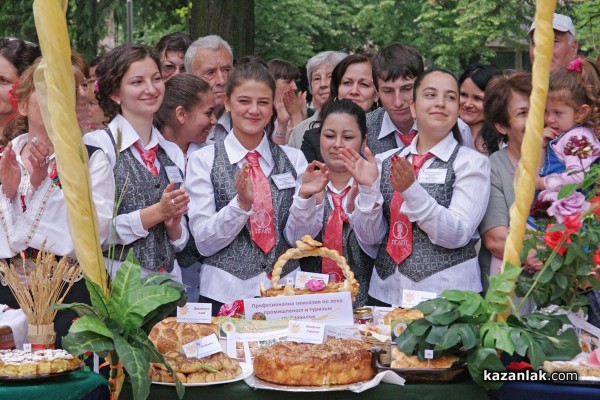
(117, 325)
(464, 323)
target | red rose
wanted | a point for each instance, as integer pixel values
(573, 223)
(596, 258)
(595, 202)
(554, 238)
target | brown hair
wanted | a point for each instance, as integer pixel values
(498, 95)
(19, 53)
(185, 90)
(579, 86)
(113, 67)
(397, 61)
(281, 69)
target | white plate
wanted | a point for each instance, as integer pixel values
(246, 372)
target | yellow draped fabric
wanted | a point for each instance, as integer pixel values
(55, 88)
(527, 170)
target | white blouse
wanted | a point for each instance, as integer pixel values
(45, 217)
(451, 227)
(214, 230)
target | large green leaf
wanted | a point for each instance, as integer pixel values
(127, 279)
(140, 302)
(90, 324)
(80, 342)
(136, 362)
(143, 342)
(80, 308)
(562, 347)
(497, 335)
(484, 359)
(97, 297)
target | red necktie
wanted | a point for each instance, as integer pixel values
(332, 238)
(399, 245)
(406, 138)
(262, 223)
(148, 157)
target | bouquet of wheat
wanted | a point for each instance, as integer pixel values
(37, 289)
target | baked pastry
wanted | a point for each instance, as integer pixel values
(401, 360)
(334, 362)
(169, 335)
(402, 314)
(20, 363)
(308, 247)
(214, 368)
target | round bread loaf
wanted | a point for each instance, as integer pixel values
(334, 362)
(169, 335)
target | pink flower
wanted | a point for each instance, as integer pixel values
(575, 65)
(96, 87)
(315, 285)
(571, 205)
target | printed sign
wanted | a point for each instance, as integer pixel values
(199, 313)
(306, 332)
(329, 308)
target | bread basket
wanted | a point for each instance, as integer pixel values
(308, 247)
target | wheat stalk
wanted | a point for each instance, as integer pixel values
(46, 284)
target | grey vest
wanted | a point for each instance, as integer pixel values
(360, 263)
(242, 258)
(374, 122)
(426, 258)
(140, 189)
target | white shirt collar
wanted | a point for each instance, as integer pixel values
(388, 127)
(236, 152)
(442, 150)
(129, 136)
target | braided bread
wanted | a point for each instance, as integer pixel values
(308, 247)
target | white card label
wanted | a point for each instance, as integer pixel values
(27, 347)
(289, 281)
(432, 175)
(410, 298)
(284, 181)
(343, 332)
(306, 332)
(173, 174)
(303, 277)
(190, 349)
(428, 354)
(199, 313)
(208, 345)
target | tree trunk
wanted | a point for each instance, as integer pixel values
(233, 20)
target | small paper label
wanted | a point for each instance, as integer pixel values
(284, 181)
(432, 175)
(410, 298)
(428, 354)
(173, 174)
(190, 349)
(199, 313)
(303, 277)
(343, 332)
(208, 345)
(289, 281)
(306, 332)
(27, 347)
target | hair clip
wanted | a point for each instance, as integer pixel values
(96, 87)
(575, 65)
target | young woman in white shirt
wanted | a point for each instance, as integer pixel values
(344, 125)
(241, 227)
(148, 169)
(442, 205)
(186, 117)
(32, 205)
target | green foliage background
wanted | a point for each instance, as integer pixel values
(449, 33)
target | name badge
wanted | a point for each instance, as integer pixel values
(173, 174)
(284, 181)
(433, 175)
